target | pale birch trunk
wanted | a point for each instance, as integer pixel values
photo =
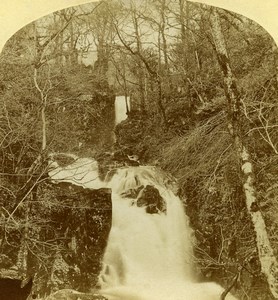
(268, 261)
(43, 107)
(43, 99)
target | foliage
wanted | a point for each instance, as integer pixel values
(162, 55)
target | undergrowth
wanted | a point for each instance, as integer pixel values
(205, 164)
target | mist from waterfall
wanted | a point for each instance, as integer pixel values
(149, 256)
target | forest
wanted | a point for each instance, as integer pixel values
(200, 87)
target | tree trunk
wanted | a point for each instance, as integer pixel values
(43, 107)
(164, 42)
(73, 51)
(141, 72)
(22, 256)
(269, 265)
(184, 22)
(125, 91)
(184, 34)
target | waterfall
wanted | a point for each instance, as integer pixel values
(149, 252)
(121, 106)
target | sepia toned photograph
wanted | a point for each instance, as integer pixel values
(139, 155)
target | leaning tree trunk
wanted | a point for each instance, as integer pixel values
(268, 261)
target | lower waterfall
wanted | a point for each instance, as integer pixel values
(149, 252)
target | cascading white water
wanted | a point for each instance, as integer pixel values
(148, 256)
(121, 106)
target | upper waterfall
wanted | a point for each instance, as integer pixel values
(122, 105)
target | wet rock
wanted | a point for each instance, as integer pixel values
(132, 193)
(150, 198)
(12, 289)
(100, 136)
(109, 162)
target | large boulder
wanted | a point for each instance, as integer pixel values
(132, 193)
(150, 198)
(131, 133)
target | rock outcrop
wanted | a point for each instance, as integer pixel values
(63, 240)
(150, 198)
(14, 289)
(147, 196)
(82, 221)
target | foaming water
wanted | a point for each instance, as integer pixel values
(149, 255)
(82, 172)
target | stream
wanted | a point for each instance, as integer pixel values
(149, 255)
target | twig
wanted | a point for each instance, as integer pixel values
(225, 293)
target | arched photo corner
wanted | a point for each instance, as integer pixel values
(73, 150)
(16, 14)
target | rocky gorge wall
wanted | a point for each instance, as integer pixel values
(65, 238)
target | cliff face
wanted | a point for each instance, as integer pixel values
(66, 236)
(80, 224)
(101, 121)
